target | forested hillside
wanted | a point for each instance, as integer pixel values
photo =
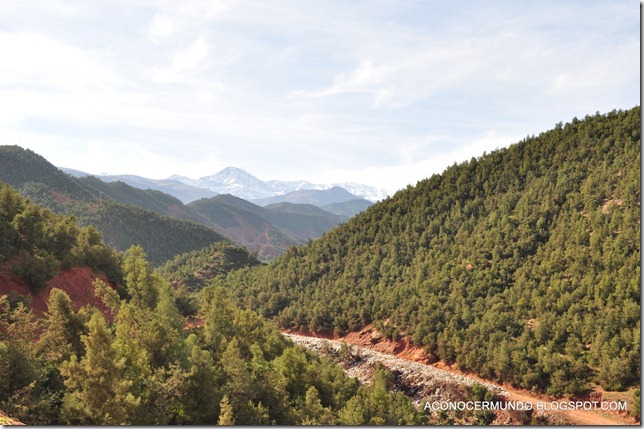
(267, 231)
(195, 270)
(35, 243)
(522, 265)
(138, 361)
(159, 222)
(125, 215)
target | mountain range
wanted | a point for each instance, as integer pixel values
(521, 266)
(134, 210)
(240, 183)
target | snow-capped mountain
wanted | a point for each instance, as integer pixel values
(184, 190)
(184, 179)
(237, 182)
(242, 184)
(367, 192)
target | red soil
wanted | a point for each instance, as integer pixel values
(370, 338)
(77, 282)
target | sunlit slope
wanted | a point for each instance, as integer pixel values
(521, 265)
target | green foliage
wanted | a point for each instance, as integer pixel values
(158, 222)
(35, 269)
(162, 237)
(636, 404)
(99, 394)
(24, 393)
(485, 417)
(226, 414)
(196, 269)
(19, 167)
(37, 242)
(246, 223)
(376, 405)
(522, 265)
(124, 215)
(64, 327)
(91, 251)
(141, 365)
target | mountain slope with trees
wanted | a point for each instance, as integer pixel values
(159, 222)
(135, 361)
(124, 215)
(522, 265)
(36, 243)
(194, 270)
(268, 231)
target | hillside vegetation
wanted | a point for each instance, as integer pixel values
(124, 215)
(522, 265)
(35, 243)
(195, 270)
(138, 362)
(159, 222)
(267, 231)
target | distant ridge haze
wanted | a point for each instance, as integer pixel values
(147, 212)
(240, 183)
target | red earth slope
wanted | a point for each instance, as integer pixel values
(77, 282)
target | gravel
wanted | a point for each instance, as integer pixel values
(421, 382)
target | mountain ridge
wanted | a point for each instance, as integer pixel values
(230, 180)
(241, 183)
(129, 215)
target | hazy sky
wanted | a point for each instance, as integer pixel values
(378, 92)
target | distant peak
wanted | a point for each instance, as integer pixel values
(234, 170)
(231, 172)
(231, 168)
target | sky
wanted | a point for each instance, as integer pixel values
(384, 93)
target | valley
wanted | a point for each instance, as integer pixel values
(514, 276)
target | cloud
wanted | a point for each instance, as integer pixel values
(33, 59)
(185, 63)
(384, 92)
(162, 26)
(396, 175)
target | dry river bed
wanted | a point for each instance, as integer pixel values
(426, 384)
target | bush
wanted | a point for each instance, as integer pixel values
(36, 269)
(635, 405)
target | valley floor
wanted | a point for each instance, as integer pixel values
(438, 384)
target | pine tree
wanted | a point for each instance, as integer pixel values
(226, 413)
(98, 392)
(63, 328)
(200, 391)
(313, 411)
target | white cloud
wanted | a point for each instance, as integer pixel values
(383, 93)
(184, 63)
(397, 175)
(33, 59)
(162, 26)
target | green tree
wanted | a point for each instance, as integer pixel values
(98, 392)
(200, 393)
(226, 414)
(63, 328)
(313, 411)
